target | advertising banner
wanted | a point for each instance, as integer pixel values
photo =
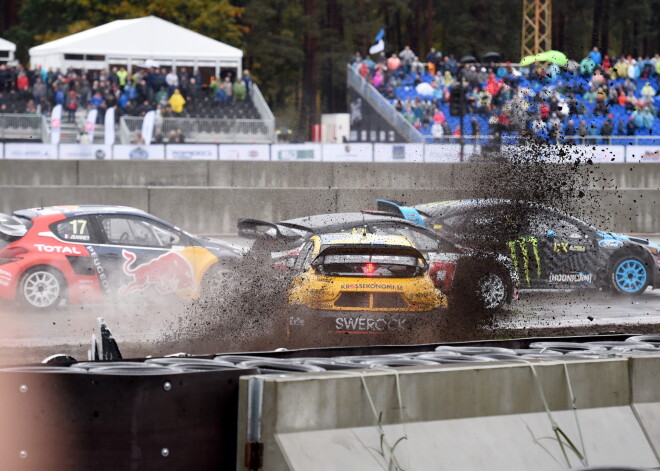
(16, 150)
(191, 152)
(90, 123)
(444, 152)
(244, 152)
(109, 127)
(55, 124)
(85, 152)
(133, 152)
(643, 154)
(598, 154)
(347, 152)
(399, 152)
(148, 126)
(308, 152)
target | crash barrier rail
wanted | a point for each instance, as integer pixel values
(597, 395)
(20, 126)
(383, 107)
(644, 150)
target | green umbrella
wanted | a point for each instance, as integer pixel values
(555, 57)
(528, 60)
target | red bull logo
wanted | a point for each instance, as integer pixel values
(168, 273)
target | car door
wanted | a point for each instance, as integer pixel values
(88, 282)
(564, 247)
(141, 254)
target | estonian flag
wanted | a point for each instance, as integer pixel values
(379, 45)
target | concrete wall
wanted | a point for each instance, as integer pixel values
(208, 196)
(317, 174)
(460, 417)
(215, 210)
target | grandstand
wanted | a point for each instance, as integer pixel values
(511, 100)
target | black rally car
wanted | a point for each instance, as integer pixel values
(549, 248)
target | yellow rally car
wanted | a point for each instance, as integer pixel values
(360, 283)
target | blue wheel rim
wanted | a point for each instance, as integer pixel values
(630, 276)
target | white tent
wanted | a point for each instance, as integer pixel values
(132, 43)
(7, 50)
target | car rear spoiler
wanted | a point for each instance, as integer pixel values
(398, 209)
(256, 229)
(11, 226)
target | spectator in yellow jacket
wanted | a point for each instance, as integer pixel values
(177, 101)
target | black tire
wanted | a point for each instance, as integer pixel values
(629, 275)
(41, 287)
(481, 290)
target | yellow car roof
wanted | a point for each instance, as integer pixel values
(347, 238)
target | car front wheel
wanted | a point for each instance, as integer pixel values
(41, 288)
(630, 275)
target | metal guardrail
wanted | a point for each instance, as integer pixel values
(372, 96)
(199, 130)
(20, 126)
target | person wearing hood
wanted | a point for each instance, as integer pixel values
(492, 85)
(595, 55)
(606, 130)
(648, 92)
(449, 80)
(177, 101)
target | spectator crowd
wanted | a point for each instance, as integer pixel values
(171, 93)
(593, 100)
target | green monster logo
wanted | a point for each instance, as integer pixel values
(522, 243)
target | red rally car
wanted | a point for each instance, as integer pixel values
(84, 253)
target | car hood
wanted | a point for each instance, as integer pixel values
(613, 236)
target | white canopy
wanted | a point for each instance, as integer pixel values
(7, 49)
(7, 45)
(132, 42)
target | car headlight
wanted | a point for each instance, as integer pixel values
(654, 251)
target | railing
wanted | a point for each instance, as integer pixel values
(208, 130)
(262, 108)
(384, 108)
(612, 140)
(20, 126)
(512, 140)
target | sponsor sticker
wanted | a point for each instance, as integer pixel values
(371, 286)
(577, 248)
(571, 277)
(363, 324)
(58, 249)
(610, 243)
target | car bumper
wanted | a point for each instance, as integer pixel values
(304, 319)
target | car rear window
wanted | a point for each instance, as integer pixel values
(367, 265)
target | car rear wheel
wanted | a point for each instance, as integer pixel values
(630, 275)
(41, 288)
(490, 291)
